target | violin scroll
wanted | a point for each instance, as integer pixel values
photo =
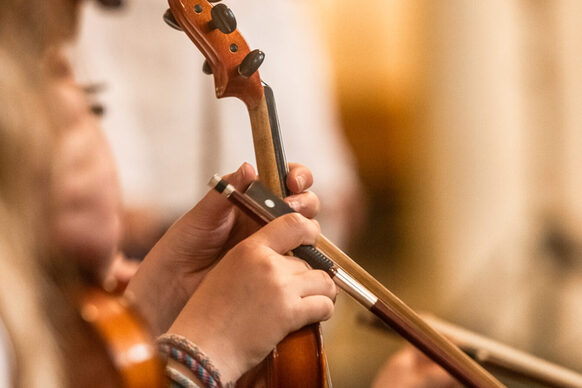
(213, 31)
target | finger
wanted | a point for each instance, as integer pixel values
(294, 265)
(306, 203)
(299, 178)
(286, 233)
(316, 282)
(311, 309)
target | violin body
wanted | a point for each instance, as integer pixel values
(298, 361)
(119, 335)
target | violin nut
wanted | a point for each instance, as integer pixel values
(251, 63)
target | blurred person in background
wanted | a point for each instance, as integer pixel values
(168, 132)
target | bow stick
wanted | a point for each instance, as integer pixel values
(264, 207)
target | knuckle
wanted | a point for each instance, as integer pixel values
(244, 249)
(249, 251)
(316, 227)
(327, 309)
(313, 198)
(267, 266)
(328, 282)
(294, 220)
(298, 221)
(311, 204)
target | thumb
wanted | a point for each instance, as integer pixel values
(213, 205)
(242, 177)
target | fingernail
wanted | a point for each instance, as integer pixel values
(294, 205)
(301, 183)
(240, 173)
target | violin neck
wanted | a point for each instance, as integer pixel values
(299, 359)
(269, 151)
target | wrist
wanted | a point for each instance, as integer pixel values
(160, 291)
(189, 360)
(215, 345)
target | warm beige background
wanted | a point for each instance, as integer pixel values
(466, 121)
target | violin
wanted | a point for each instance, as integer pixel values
(299, 360)
(234, 66)
(121, 333)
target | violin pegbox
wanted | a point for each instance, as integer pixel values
(228, 56)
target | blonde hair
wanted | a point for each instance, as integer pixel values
(28, 28)
(23, 144)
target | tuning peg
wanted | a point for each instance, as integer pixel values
(97, 109)
(222, 18)
(251, 63)
(171, 20)
(206, 69)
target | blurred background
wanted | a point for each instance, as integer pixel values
(465, 120)
(448, 153)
